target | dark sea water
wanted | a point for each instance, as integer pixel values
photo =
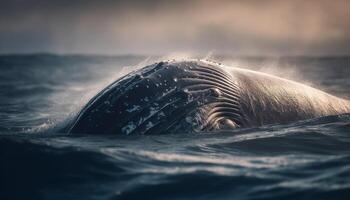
(39, 94)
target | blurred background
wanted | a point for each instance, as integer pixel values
(55, 55)
(234, 27)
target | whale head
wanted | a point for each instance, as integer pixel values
(164, 97)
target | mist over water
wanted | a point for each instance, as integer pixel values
(40, 93)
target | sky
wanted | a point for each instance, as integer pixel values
(246, 27)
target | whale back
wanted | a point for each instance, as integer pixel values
(200, 96)
(267, 99)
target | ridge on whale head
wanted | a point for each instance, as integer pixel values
(178, 96)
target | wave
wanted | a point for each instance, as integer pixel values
(308, 159)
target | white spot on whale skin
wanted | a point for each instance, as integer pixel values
(189, 119)
(139, 76)
(152, 111)
(161, 114)
(149, 125)
(128, 128)
(168, 91)
(133, 108)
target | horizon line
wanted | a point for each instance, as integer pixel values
(162, 55)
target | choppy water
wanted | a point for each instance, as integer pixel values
(40, 93)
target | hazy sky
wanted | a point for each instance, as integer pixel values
(161, 27)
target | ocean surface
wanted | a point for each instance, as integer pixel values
(41, 93)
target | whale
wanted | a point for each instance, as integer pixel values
(200, 96)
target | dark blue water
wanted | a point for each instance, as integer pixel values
(40, 93)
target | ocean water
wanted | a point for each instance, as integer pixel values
(39, 94)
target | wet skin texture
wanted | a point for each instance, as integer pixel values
(169, 97)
